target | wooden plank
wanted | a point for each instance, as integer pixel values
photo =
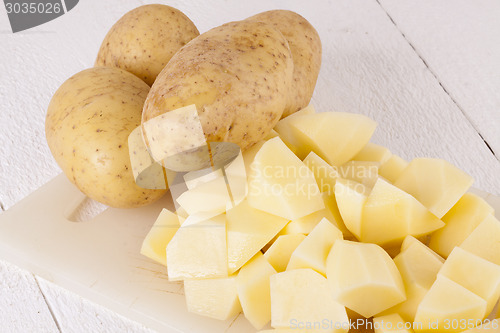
(460, 42)
(370, 68)
(23, 308)
(76, 314)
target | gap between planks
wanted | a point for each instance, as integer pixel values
(48, 304)
(437, 79)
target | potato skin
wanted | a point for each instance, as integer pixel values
(305, 45)
(144, 39)
(238, 75)
(88, 122)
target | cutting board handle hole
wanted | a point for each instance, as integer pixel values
(84, 209)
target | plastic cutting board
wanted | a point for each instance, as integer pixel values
(100, 260)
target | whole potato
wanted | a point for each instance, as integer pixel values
(88, 123)
(238, 75)
(305, 45)
(144, 39)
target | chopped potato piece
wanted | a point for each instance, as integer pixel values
(248, 230)
(390, 214)
(286, 133)
(363, 277)
(374, 153)
(436, 183)
(303, 295)
(163, 230)
(281, 184)
(280, 252)
(364, 172)
(484, 240)
(351, 197)
(254, 290)
(212, 196)
(478, 275)
(335, 136)
(460, 221)
(306, 224)
(392, 168)
(325, 174)
(445, 302)
(419, 267)
(313, 251)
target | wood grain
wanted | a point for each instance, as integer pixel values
(459, 40)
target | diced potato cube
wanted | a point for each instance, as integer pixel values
(163, 230)
(351, 197)
(436, 183)
(306, 224)
(392, 323)
(254, 290)
(325, 174)
(286, 133)
(460, 221)
(363, 277)
(409, 241)
(364, 172)
(445, 302)
(212, 196)
(281, 184)
(374, 153)
(392, 168)
(248, 230)
(303, 295)
(313, 251)
(214, 298)
(478, 275)
(484, 240)
(335, 136)
(390, 214)
(280, 252)
(335, 217)
(419, 267)
(198, 250)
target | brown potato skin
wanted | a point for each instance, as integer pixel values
(87, 126)
(238, 75)
(305, 45)
(143, 40)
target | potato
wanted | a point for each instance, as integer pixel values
(143, 40)
(88, 123)
(305, 45)
(237, 75)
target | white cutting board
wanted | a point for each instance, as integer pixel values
(100, 260)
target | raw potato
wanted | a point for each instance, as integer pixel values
(143, 40)
(305, 45)
(88, 123)
(448, 302)
(419, 267)
(238, 76)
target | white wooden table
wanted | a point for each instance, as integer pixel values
(426, 70)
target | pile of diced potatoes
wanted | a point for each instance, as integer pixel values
(316, 226)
